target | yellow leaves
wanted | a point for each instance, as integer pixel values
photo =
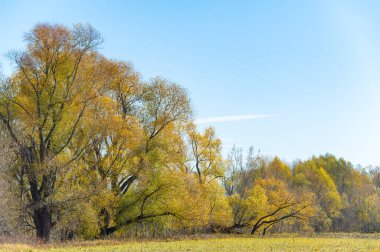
(164, 102)
(205, 149)
(44, 38)
(99, 125)
(276, 191)
(279, 169)
(257, 201)
(106, 104)
(90, 123)
(271, 202)
(80, 218)
(220, 212)
(300, 180)
(321, 183)
(194, 205)
(126, 84)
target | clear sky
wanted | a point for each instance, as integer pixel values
(292, 78)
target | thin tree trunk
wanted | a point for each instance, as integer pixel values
(254, 229)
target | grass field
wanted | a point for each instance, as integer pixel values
(217, 244)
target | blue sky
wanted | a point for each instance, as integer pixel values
(292, 78)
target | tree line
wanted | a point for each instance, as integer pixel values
(89, 149)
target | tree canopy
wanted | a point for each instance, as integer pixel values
(90, 149)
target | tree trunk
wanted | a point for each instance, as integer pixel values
(104, 219)
(41, 213)
(264, 231)
(42, 222)
(254, 229)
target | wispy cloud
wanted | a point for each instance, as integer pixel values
(233, 118)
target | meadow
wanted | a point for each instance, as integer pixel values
(216, 244)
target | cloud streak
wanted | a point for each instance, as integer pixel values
(234, 118)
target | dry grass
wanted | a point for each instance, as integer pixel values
(298, 244)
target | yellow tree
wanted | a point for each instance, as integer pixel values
(369, 213)
(46, 105)
(164, 104)
(278, 169)
(353, 186)
(311, 177)
(205, 154)
(207, 166)
(238, 183)
(261, 195)
(280, 204)
(146, 153)
(112, 151)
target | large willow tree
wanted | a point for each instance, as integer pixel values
(79, 121)
(44, 107)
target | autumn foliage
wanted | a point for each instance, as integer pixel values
(93, 150)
